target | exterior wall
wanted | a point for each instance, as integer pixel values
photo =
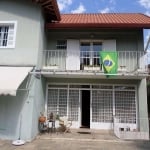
(143, 108)
(20, 113)
(129, 42)
(126, 40)
(10, 113)
(38, 105)
(109, 45)
(28, 17)
(30, 42)
(42, 42)
(27, 113)
(39, 89)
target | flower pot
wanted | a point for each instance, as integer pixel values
(42, 119)
(92, 68)
(50, 67)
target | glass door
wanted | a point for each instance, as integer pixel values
(89, 53)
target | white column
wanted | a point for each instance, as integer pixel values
(109, 45)
(73, 55)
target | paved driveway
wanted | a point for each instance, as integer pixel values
(77, 141)
(77, 144)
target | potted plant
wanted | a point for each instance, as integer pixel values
(92, 67)
(42, 118)
(51, 67)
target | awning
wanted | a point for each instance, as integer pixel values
(11, 78)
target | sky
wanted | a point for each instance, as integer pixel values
(106, 6)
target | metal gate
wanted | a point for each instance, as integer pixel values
(57, 101)
(107, 102)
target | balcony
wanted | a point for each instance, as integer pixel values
(128, 61)
(54, 59)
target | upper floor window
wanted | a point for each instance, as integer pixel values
(7, 34)
(61, 44)
(89, 53)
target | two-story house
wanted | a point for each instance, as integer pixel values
(51, 62)
(78, 88)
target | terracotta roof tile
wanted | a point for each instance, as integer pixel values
(135, 20)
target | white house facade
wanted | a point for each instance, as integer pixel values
(51, 63)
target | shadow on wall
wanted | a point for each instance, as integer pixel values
(10, 109)
(148, 92)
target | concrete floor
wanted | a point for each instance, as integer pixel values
(78, 140)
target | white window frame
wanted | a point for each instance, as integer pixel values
(91, 50)
(61, 45)
(8, 23)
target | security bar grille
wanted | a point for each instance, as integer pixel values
(7, 34)
(57, 102)
(125, 106)
(102, 106)
(73, 104)
(62, 102)
(106, 101)
(61, 44)
(4, 35)
(52, 101)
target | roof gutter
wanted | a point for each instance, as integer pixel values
(89, 25)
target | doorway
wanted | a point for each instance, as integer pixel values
(85, 111)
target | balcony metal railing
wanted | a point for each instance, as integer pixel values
(133, 60)
(128, 61)
(54, 59)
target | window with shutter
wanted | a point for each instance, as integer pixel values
(89, 53)
(7, 34)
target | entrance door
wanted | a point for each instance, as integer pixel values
(85, 116)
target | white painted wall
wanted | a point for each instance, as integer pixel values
(27, 16)
(30, 42)
(10, 112)
(73, 55)
(142, 107)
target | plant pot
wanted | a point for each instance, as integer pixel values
(92, 68)
(42, 119)
(50, 67)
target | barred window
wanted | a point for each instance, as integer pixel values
(125, 106)
(57, 102)
(61, 44)
(102, 106)
(73, 105)
(7, 34)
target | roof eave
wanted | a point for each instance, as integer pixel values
(83, 25)
(50, 8)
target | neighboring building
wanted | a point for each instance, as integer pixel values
(22, 24)
(66, 77)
